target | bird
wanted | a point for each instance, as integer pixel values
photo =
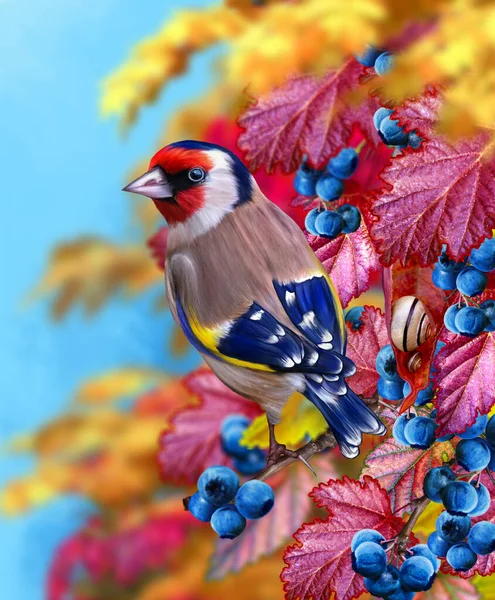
(250, 294)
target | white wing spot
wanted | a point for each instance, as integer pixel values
(273, 339)
(325, 346)
(313, 358)
(256, 316)
(315, 377)
(287, 362)
(280, 331)
(290, 297)
(308, 320)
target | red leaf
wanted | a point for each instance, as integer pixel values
(466, 379)
(447, 587)
(439, 194)
(350, 260)
(362, 347)
(306, 115)
(400, 470)
(194, 442)
(320, 563)
(264, 536)
(157, 244)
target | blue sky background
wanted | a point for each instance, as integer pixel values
(62, 169)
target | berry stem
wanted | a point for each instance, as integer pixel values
(405, 532)
(360, 146)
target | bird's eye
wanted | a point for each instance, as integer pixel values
(197, 174)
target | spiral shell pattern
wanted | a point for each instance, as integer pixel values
(410, 325)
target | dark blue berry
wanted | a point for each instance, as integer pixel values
(416, 574)
(414, 140)
(386, 364)
(483, 258)
(344, 164)
(252, 463)
(384, 63)
(459, 498)
(423, 550)
(399, 426)
(437, 545)
(390, 390)
(234, 421)
(370, 560)
(420, 432)
(490, 431)
(423, 396)
(445, 280)
(228, 522)
(309, 221)
(435, 481)
(452, 528)
(491, 464)
(461, 558)
(353, 317)
(470, 321)
(305, 184)
(254, 499)
(392, 132)
(386, 584)
(401, 594)
(351, 216)
(484, 500)
(231, 433)
(481, 538)
(445, 263)
(218, 485)
(366, 535)
(368, 56)
(329, 187)
(471, 282)
(488, 307)
(329, 224)
(473, 455)
(200, 508)
(380, 114)
(476, 429)
(449, 318)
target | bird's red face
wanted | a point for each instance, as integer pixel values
(176, 182)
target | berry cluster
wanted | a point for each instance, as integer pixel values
(369, 559)
(469, 278)
(391, 132)
(246, 461)
(381, 60)
(226, 504)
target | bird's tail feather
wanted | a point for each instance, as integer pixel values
(347, 416)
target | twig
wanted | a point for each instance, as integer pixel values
(405, 532)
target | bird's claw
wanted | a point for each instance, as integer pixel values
(280, 451)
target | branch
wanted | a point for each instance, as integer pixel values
(406, 531)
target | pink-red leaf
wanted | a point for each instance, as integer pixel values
(194, 442)
(440, 194)
(447, 587)
(465, 378)
(264, 536)
(319, 565)
(306, 115)
(400, 470)
(362, 347)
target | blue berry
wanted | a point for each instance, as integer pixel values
(200, 508)
(423, 396)
(234, 421)
(420, 432)
(329, 224)
(483, 258)
(459, 498)
(484, 500)
(386, 584)
(439, 345)
(370, 560)
(491, 464)
(445, 263)
(488, 307)
(476, 429)
(481, 538)
(449, 317)
(231, 434)
(399, 426)
(392, 133)
(368, 56)
(366, 535)
(305, 182)
(386, 365)
(473, 455)
(252, 463)
(423, 550)
(414, 140)
(309, 221)
(384, 63)
(416, 574)
(470, 320)
(228, 522)
(329, 187)
(461, 558)
(390, 390)
(218, 485)
(438, 545)
(351, 216)
(344, 164)
(435, 481)
(380, 114)
(254, 499)
(445, 438)
(471, 282)
(452, 528)
(401, 594)
(490, 431)
(445, 280)
(353, 316)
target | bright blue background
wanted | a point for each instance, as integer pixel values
(62, 169)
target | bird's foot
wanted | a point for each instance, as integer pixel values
(278, 452)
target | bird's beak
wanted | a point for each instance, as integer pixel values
(153, 184)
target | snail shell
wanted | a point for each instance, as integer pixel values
(410, 325)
